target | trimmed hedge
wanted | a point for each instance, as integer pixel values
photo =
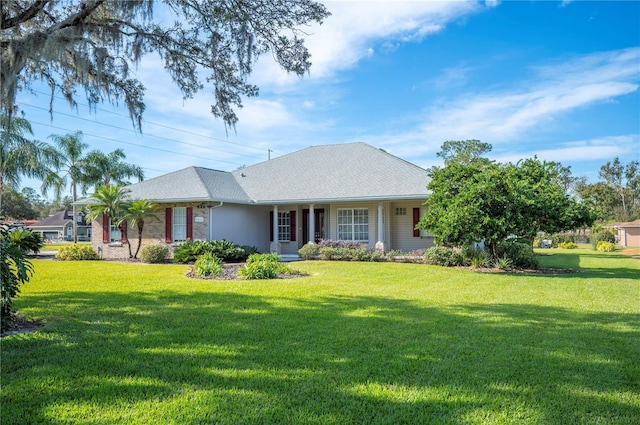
(154, 254)
(75, 252)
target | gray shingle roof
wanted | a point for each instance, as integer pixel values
(190, 184)
(334, 173)
(341, 172)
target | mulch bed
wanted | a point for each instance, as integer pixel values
(21, 325)
(231, 273)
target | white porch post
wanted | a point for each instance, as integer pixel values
(312, 225)
(380, 245)
(275, 244)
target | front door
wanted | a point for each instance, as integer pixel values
(318, 219)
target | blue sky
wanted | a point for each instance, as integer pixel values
(554, 79)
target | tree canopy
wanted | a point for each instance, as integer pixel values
(94, 45)
(481, 200)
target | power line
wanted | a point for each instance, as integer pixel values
(146, 135)
(157, 124)
(139, 146)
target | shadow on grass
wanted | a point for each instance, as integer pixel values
(625, 267)
(230, 358)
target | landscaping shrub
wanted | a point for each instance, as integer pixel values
(348, 251)
(154, 254)
(520, 253)
(208, 265)
(442, 256)
(475, 257)
(74, 252)
(602, 236)
(188, 252)
(503, 263)
(264, 266)
(27, 239)
(568, 245)
(604, 246)
(309, 251)
(15, 270)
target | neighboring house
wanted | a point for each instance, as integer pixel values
(627, 233)
(350, 192)
(59, 226)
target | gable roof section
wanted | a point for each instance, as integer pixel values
(57, 219)
(341, 172)
(192, 184)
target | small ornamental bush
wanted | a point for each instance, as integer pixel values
(476, 257)
(154, 254)
(188, 252)
(602, 236)
(75, 252)
(442, 256)
(27, 239)
(604, 246)
(208, 265)
(15, 270)
(264, 266)
(503, 263)
(520, 253)
(568, 245)
(309, 252)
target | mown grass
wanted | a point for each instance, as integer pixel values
(353, 343)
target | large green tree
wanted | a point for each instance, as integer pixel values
(482, 200)
(95, 44)
(21, 156)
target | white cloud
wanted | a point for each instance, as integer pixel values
(531, 105)
(347, 36)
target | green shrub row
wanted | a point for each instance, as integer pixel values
(511, 254)
(351, 254)
(188, 252)
(75, 252)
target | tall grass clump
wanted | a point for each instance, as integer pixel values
(208, 265)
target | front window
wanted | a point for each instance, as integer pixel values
(114, 233)
(353, 224)
(179, 224)
(284, 227)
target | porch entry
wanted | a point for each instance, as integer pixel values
(318, 221)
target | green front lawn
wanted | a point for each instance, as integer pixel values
(353, 343)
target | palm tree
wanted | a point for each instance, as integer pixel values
(112, 203)
(138, 211)
(72, 165)
(111, 169)
(20, 156)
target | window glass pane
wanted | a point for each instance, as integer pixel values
(284, 227)
(114, 233)
(179, 224)
(353, 224)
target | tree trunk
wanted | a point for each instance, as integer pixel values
(140, 227)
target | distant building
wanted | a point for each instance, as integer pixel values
(59, 227)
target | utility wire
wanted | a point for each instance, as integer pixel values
(133, 131)
(157, 124)
(139, 146)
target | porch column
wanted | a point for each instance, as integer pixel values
(275, 244)
(312, 225)
(380, 245)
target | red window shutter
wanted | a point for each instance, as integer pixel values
(168, 225)
(416, 220)
(189, 223)
(123, 236)
(292, 226)
(271, 226)
(105, 228)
